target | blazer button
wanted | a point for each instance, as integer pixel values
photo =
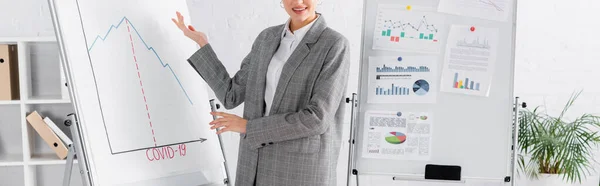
(263, 144)
(270, 143)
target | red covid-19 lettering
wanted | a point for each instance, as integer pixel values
(165, 153)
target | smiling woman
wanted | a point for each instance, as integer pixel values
(301, 12)
(286, 139)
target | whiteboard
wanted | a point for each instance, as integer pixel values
(144, 112)
(471, 131)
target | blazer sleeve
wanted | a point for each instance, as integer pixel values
(230, 91)
(318, 115)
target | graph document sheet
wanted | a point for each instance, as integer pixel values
(402, 79)
(153, 107)
(470, 60)
(397, 135)
(497, 10)
(407, 28)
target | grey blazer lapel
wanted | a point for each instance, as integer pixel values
(297, 57)
(266, 54)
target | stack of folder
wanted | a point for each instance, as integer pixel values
(56, 139)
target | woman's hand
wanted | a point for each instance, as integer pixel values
(228, 122)
(190, 31)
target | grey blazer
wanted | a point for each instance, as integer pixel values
(299, 142)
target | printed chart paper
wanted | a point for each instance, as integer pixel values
(143, 103)
(470, 60)
(402, 79)
(403, 28)
(397, 135)
(497, 10)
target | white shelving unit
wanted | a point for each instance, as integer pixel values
(25, 159)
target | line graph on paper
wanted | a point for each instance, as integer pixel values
(498, 10)
(159, 110)
(129, 30)
(398, 29)
(494, 3)
(484, 5)
(476, 43)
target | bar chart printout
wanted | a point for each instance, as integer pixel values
(394, 90)
(465, 84)
(470, 61)
(405, 79)
(398, 29)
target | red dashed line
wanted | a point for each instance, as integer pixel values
(140, 77)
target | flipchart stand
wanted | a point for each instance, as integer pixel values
(352, 171)
(214, 107)
(76, 150)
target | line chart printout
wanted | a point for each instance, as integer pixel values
(497, 10)
(154, 106)
(406, 28)
(397, 135)
(402, 79)
(470, 60)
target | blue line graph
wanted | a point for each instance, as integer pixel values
(165, 65)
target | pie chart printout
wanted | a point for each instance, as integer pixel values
(421, 87)
(395, 138)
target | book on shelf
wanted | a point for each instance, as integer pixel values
(48, 135)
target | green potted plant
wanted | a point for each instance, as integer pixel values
(554, 151)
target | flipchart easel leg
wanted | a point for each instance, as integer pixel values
(515, 141)
(352, 171)
(213, 108)
(75, 151)
(69, 167)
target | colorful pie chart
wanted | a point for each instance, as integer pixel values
(395, 138)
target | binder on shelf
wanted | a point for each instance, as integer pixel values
(53, 141)
(57, 131)
(9, 73)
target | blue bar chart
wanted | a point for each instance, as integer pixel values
(393, 90)
(385, 68)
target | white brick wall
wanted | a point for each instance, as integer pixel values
(25, 18)
(556, 54)
(557, 43)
